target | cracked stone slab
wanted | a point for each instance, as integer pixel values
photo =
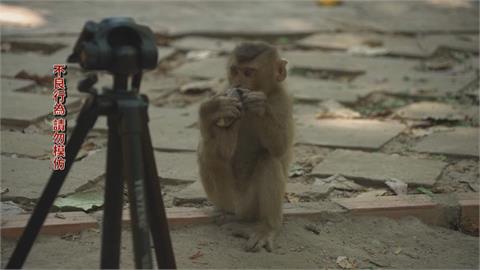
(411, 16)
(13, 85)
(307, 191)
(422, 46)
(415, 83)
(170, 128)
(341, 62)
(209, 68)
(460, 42)
(202, 43)
(456, 142)
(35, 63)
(22, 109)
(378, 167)
(177, 167)
(393, 45)
(346, 133)
(31, 145)
(430, 110)
(194, 193)
(27, 178)
(305, 89)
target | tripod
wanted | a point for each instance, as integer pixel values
(130, 157)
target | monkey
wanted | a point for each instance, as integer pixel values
(246, 141)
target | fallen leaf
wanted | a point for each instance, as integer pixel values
(291, 198)
(345, 263)
(296, 170)
(425, 191)
(82, 200)
(397, 186)
(196, 255)
(397, 251)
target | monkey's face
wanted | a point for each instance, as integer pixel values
(257, 75)
(243, 76)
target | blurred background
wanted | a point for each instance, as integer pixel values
(386, 103)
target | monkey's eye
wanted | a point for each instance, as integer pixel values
(248, 72)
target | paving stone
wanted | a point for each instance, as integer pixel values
(416, 83)
(410, 16)
(210, 68)
(22, 109)
(378, 167)
(202, 43)
(194, 193)
(341, 62)
(27, 178)
(422, 46)
(308, 191)
(346, 133)
(89, 168)
(178, 167)
(31, 145)
(456, 142)
(10, 208)
(305, 89)
(393, 45)
(468, 43)
(34, 63)
(165, 52)
(171, 129)
(430, 110)
(100, 125)
(12, 85)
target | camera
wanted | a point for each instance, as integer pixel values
(117, 45)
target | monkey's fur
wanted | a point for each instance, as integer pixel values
(244, 165)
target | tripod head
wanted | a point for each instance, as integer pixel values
(117, 45)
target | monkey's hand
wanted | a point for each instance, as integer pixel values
(229, 110)
(255, 102)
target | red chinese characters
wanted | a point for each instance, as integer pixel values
(59, 122)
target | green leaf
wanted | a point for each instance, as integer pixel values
(81, 201)
(425, 191)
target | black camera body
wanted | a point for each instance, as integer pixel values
(117, 45)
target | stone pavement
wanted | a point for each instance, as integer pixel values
(382, 90)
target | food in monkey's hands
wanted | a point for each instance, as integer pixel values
(237, 93)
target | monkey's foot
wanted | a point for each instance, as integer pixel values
(258, 240)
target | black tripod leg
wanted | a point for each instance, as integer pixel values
(133, 165)
(112, 215)
(85, 121)
(156, 215)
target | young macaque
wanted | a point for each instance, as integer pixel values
(246, 141)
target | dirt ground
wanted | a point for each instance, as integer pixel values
(368, 243)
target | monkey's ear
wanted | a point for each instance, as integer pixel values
(281, 70)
